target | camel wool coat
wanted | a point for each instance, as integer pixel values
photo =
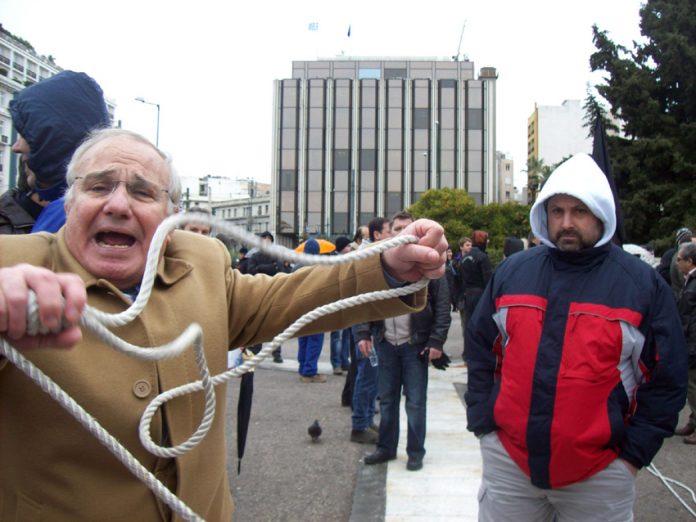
(51, 468)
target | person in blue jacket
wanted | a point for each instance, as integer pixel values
(577, 364)
(52, 118)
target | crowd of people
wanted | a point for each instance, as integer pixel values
(579, 355)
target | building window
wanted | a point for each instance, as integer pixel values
(288, 180)
(368, 159)
(474, 119)
(397, 72)
(369, 73)
(421, 118)
(341, 159)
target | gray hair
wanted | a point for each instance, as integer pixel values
(688, 251)
(100, 135)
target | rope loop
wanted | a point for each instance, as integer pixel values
(99, 322)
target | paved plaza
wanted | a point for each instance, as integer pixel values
(286, 477)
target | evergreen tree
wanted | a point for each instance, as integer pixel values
(652, 90)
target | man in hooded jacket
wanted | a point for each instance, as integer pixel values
(52, 118)
(576, 363)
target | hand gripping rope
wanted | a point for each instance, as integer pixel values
(98, 322)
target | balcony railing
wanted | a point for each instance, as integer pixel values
(4, 59)
(18, 67)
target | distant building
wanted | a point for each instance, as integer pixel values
(242, 202)
(555, 132)
(20, 66)
(506, 178)
(354, 138)
(209, 190)
(251, 214)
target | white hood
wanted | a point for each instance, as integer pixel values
(581, 178)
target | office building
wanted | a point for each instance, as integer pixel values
(354, 138)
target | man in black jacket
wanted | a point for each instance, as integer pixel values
(473, 273)
(405, 345)
(262, 263)
(686, 262)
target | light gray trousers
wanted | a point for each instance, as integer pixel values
(506, 493)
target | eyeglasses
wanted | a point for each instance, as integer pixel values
(102, 186)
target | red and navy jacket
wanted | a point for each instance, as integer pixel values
(575, 359)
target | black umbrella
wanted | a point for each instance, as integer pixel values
(246, 393)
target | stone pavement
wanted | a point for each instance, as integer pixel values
(445, 489)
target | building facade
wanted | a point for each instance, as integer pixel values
(555, 132)
(20, 66)
(251, 214)
(506, 179)
(356, 138)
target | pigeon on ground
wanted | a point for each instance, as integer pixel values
(314, 431)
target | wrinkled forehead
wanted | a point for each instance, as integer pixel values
(125, 157)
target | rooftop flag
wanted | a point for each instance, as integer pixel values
(313, 26)
(349, 31)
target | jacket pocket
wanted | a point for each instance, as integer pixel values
(592, 344)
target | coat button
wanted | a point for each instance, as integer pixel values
(141, 389)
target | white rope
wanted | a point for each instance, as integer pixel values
(98, 321)
(667, 481)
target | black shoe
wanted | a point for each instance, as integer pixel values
(378, 457)
(414, 463)
(277, 359)
(363, 436)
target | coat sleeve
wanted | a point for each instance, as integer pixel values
(360, 332)
(662, 395)
(441, 312)
(481, 351)
(260, 306)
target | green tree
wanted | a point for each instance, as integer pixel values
(454, 209)
(652, 90)
(537, 173)
(594, 110)
(459, 215)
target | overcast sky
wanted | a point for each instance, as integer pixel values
(187, 56)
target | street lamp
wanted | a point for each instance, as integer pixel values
(143, 100)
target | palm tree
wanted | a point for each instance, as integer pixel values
(537, 173)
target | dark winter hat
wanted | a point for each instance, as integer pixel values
(341, 243)
(311, 247)
(267, 234)
(683, 235)
(512, 245)
(54, 116)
